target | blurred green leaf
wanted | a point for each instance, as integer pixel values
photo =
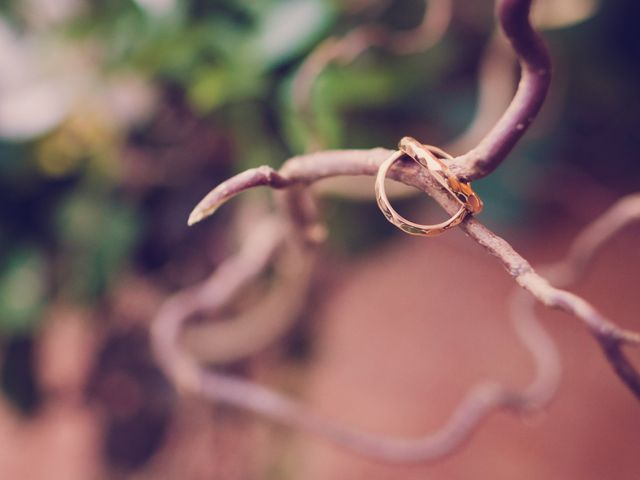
(209, 89)
(213, 87)
(98, 237)
(364, 86)
(22, 290)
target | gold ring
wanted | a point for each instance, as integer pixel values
(425, 156)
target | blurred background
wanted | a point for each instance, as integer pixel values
(117, 117)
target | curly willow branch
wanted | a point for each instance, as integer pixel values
(302, 171)
(435, 20)
(479, 402)
(584, 248)
(306, 169)
(534, 83)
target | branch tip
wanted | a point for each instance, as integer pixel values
(194, 217)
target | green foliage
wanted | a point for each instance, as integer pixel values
(98, 236)
(23, 289)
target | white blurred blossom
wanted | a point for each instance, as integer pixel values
(43, 80)
(45, 13)
(33, 96)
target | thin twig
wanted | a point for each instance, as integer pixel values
(306, 169)
(290, 239)
(513, 16)
(302, 171)
(481, 400)
(344, 50)
(496, 84)
(256, 327)
(212, 295)
(624, 212)
(586, 245)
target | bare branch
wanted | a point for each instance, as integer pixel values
(328, 164)
(624, 212)
(300, 172)
(258, 326)
(535, 63)
(496, 85)
(481, 400)
(434, 24)
(436, 18)
(306, 169)
(212, 295)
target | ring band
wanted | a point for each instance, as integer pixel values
(398, 220)
(425, 156)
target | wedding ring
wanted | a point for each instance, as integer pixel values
(425, 156)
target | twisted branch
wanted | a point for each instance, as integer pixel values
(307, 169)
(513, 16)
(584, 248)
(535, 79)
(302, 171)
(480, 401)
(436, 18)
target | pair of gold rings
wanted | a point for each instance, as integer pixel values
(431, 158)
